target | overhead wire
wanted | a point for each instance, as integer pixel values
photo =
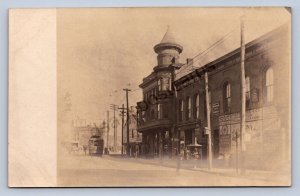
(207, 50)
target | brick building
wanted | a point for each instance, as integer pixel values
(173, 111)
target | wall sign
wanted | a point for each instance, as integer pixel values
(215, 108)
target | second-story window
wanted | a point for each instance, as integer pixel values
(159, 111)
(247, 81)
(180, 110)
(226, 97)
(189, 108)
(197, 106)
(270, 84)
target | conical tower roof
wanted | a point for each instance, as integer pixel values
(168, 41)
(168, 37)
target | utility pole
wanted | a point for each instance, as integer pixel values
(122, 114)
(127, 121)
(243, 98)
(208, 130)
(107, 124)
(114, 108)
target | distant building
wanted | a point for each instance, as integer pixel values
(83, 133)
(173, 110)
(135, 138)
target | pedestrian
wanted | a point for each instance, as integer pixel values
(178, 160)
(84, 149)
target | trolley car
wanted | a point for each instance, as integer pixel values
(96, 144)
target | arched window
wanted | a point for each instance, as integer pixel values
(270, 85)
(226, 97)
(197, 106)
(189, 108)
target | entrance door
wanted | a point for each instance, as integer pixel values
(188, 137)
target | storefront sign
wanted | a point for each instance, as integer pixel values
(229, 126)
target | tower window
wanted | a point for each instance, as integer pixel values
(159, 84)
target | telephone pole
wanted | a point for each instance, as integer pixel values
(122, 114)
(243, 98)
(127, 121)
(114, 108)
(208, 130)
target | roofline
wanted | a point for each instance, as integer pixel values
(254, 42)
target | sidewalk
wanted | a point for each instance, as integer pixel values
(201, 166)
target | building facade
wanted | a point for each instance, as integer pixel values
(267, 84)
(135, 138)
(155, 113)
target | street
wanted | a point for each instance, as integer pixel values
(107, 171)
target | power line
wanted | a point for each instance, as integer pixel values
(207, 50)
(122, 100)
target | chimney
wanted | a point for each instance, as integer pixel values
(189, 61)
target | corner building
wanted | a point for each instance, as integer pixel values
(181, 116)
(155, 113)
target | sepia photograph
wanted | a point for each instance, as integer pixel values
(150, 97)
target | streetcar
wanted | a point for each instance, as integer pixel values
(96, 144)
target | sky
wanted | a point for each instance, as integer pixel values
(103, 50)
